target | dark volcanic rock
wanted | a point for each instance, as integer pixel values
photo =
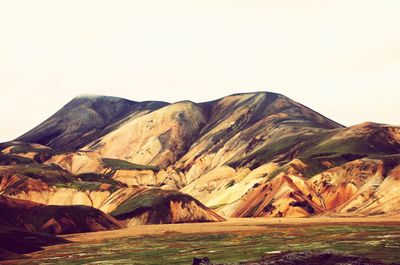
(15, 242)
(315, 258)
(305, 258)
(201, 261)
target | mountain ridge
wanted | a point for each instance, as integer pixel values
(88, 101)
(255, 154)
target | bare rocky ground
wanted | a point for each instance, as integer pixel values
(304, 258)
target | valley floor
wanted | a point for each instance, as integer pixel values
(231, 225)
(236, 240)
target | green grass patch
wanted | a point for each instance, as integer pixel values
(373, 241)
(152, 198)
(49, 174)
(80, 185)
(118, 164)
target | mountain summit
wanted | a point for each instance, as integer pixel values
(90, 120)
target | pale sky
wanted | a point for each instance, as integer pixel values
(341, 58)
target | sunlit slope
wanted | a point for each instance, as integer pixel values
(157, 138)
(51, 185)
(344, 171)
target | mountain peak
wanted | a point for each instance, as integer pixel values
(88, 96)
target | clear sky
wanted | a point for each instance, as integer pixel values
(341, 58)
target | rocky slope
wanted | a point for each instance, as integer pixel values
(84, 119)
(154, 206)
(160, 134)
(50, 185)
(35, 217)
(255, 154)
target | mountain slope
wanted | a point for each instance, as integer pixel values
(163, 207)
(119, 128)
(50, 185)
(254, 154)
(35, 217)
(156, 138)
(84, 119)
(242, 124)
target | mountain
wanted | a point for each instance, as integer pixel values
(38, 185)
(35, 217)
(245, 155)
(158, 133)
(84, 119)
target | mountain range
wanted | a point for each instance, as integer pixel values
(245, 155)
